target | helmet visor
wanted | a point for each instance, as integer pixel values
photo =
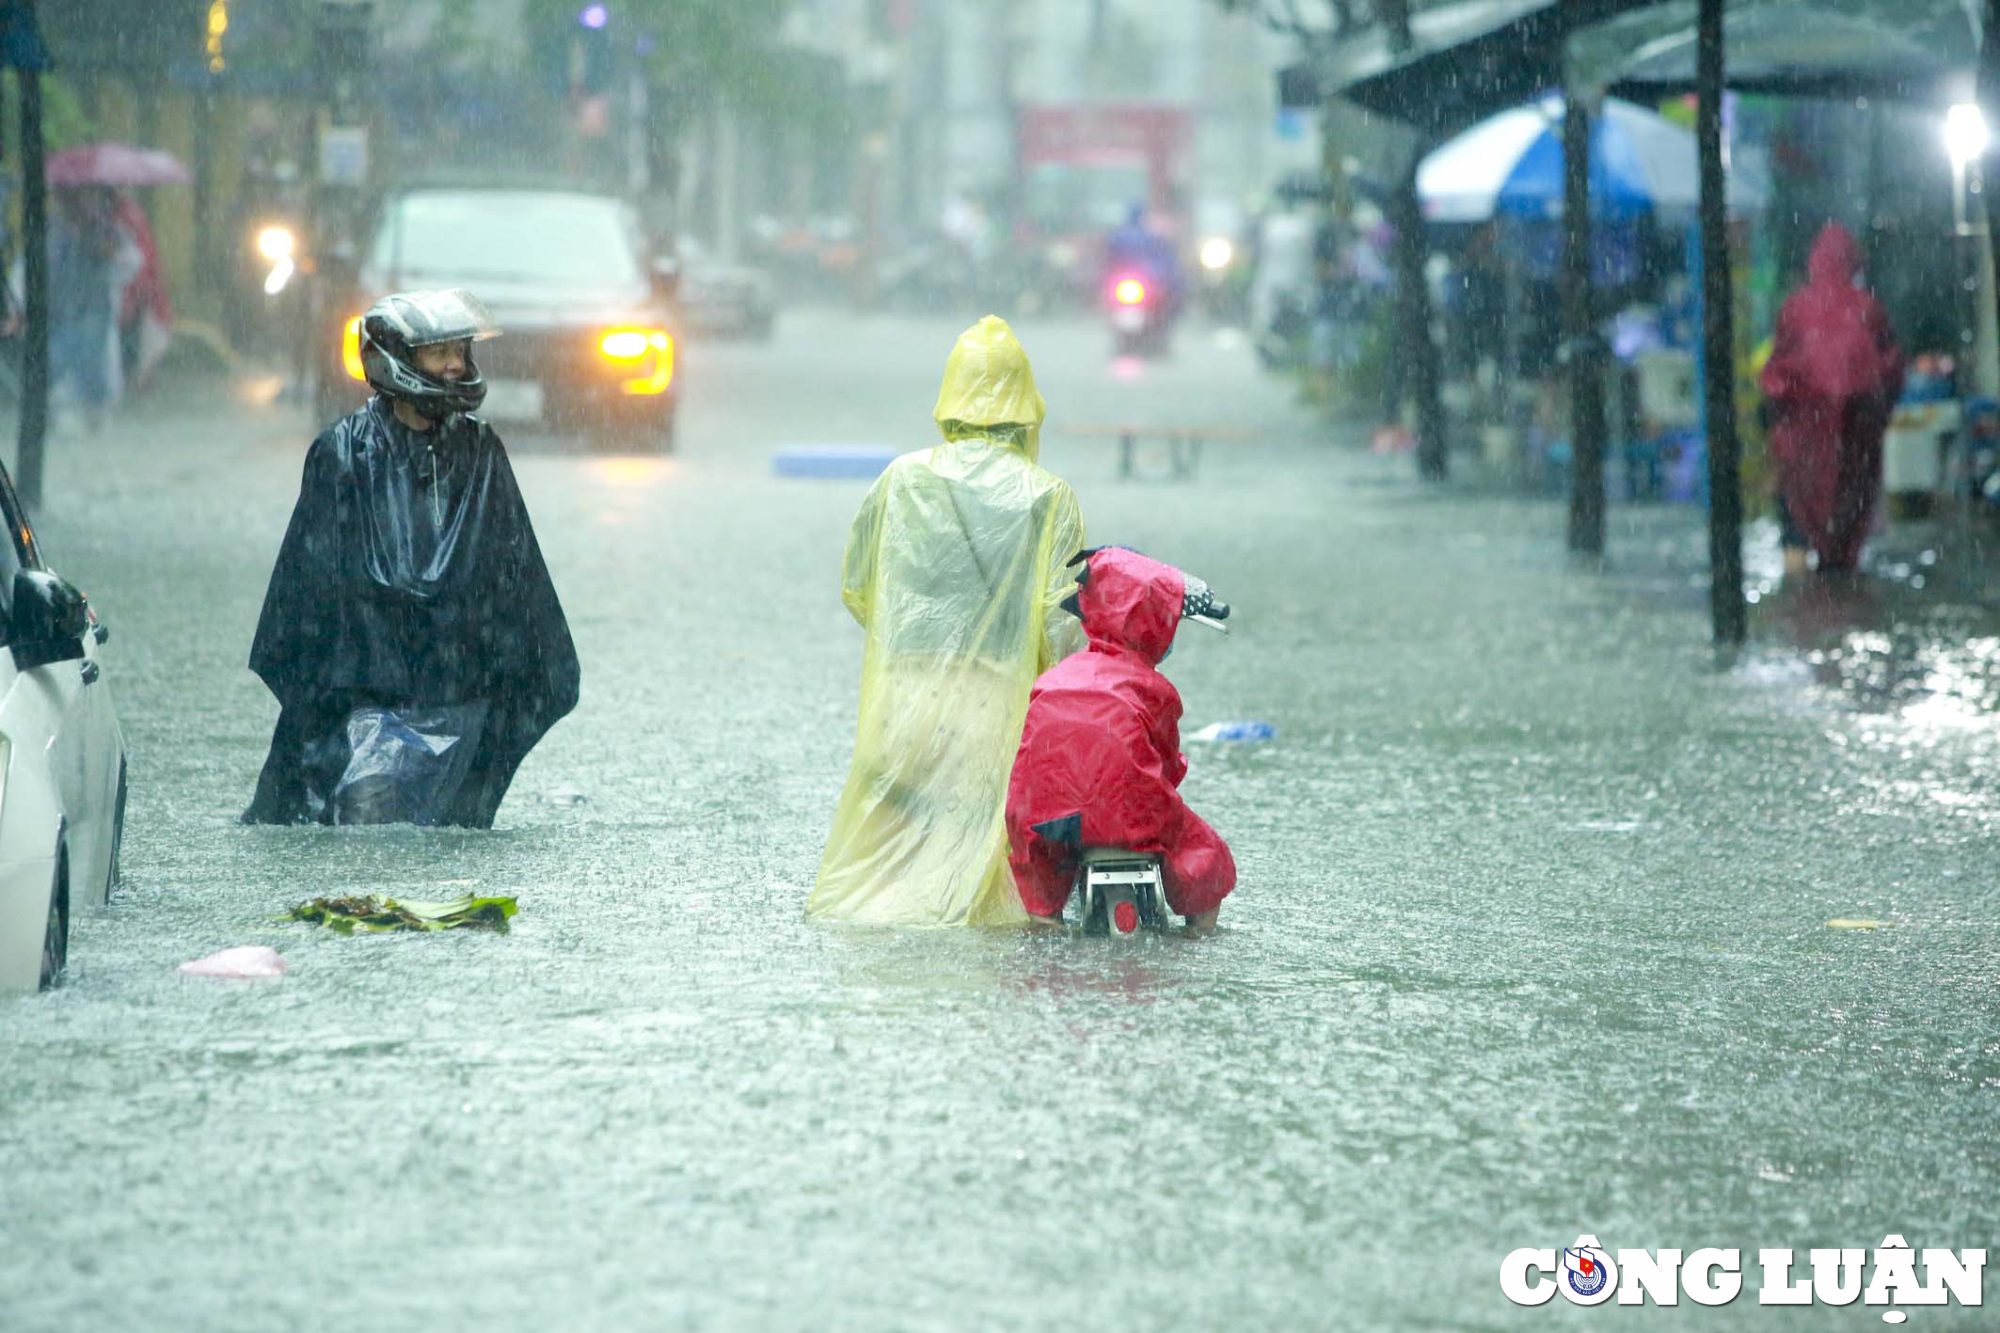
(443, 316)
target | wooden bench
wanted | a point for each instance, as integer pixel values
(1183, 444)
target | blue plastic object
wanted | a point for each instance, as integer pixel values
(832, 461)
(1236, 731)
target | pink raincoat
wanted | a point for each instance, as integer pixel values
(1834, 375)
(1102, 745)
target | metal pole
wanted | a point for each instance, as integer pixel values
(1986, 321)
(1414, 298)
(1586, 366)
(1718, 342)
(1989, 104)
(207, 259)
(35, 263)
(343, 32)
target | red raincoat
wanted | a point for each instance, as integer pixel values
(1834, 376)
(146, 293)
(1102, 743)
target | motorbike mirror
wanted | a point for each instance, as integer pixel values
(1202, 606)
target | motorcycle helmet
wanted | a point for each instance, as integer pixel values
(396, 326)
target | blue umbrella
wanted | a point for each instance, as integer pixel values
(1512, 165)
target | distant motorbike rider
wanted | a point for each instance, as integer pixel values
(1100, 761)
(1134, 247)
(410, 632)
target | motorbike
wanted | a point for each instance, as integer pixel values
(1141, 315)
(272, 295)
(277, 245)
(1225, 282)
(1117, 891)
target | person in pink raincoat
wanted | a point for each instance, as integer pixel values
(1833, 378)
(1100, 762)
(145, 314)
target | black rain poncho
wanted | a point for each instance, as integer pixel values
(410, 633)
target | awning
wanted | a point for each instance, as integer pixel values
(1905, 50)
(1465, 61)
(1470, 59)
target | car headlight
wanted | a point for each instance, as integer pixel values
(633, 348)
(624, 344)
(350, 349)
(275, 243)
(1217, 253)
(280, 274)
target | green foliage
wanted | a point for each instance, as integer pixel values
(65, 124)
(372, 913)
(703, 49)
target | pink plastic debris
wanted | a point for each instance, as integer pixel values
(246, 962)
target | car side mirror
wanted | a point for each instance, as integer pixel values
(49, 620)
(666, 277)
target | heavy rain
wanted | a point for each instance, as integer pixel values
(586, 743)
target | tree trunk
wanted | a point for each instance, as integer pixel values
(1718, 342)
(209, 278)
(35, 265)
(1586, 363)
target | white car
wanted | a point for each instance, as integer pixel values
(62, 760)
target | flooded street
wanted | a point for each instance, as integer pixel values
(1530, 940)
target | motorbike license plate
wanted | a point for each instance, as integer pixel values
(1128, 319)
(512, 400)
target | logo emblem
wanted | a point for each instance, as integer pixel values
(1586, 1270)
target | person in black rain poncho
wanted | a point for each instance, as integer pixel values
(410, 632)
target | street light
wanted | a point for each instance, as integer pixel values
(1965, 134)
(1966, 138)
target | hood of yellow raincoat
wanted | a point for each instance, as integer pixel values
(988, 382)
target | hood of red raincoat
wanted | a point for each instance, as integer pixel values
(1130, 601)
(1836, 257)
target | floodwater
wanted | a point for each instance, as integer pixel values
(1529, 939)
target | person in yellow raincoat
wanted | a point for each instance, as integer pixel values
(956, 568)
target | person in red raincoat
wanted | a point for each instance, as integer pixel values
(1833, 378)
(1100, 763)
(145, 314)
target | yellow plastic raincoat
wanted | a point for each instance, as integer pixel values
(956, 567)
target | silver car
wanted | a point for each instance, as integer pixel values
(62, 760)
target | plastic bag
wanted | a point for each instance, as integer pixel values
(404, 767)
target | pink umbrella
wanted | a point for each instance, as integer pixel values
(115, 164)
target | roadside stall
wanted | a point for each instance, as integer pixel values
(1912, 54)
(1507, 173)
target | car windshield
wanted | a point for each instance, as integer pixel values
(441, 238)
